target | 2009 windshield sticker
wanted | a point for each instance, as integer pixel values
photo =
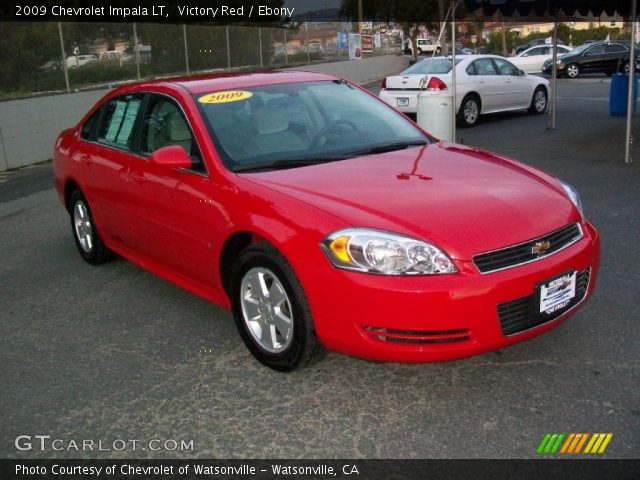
(224, 97)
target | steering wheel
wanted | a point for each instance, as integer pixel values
(330, 127)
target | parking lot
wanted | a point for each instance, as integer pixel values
(114, 352)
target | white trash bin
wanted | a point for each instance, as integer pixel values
(435, 114)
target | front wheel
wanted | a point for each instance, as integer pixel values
(573, 70)
(271, 311)
(469, 112)
(85, 234)
(538, 101)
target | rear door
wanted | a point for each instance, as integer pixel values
(107, 154)
(616, 55)
(486, 81)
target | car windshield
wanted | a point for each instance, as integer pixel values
(430, 66)
(295, 124)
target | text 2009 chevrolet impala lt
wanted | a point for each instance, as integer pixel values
(324, 218)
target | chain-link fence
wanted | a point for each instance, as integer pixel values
(41, 57)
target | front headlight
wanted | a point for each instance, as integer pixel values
(374, 251)
(573, 194)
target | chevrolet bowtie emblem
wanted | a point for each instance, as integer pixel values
(540, 247)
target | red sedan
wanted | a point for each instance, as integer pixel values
(324, 218)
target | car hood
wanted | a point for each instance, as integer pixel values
(466, 201)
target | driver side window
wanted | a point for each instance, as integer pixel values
(164, 124)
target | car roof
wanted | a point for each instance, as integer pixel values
(223, 81)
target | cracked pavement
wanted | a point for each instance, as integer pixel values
(113, 352)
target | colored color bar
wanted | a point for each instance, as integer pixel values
(551, 443)
(606, 441)
(543, 443)
(576, 440)
(557, 444)
(596, 446)
(592, 440)
(581, 443)
(567, 442)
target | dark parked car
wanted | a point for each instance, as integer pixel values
(594, 57)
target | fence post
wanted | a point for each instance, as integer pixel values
(228, 48)
(64, 58)
(186, 48)
(286, 53)
(260, 46)
(306, 26)
(136, 49)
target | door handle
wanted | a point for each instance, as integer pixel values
(137, 177)
(508, 80)
(480, 81)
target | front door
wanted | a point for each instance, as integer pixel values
(177, 215)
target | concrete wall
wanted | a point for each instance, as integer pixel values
(29, 127)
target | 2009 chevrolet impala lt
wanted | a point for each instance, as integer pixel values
(324, 218)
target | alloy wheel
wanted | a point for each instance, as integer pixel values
(266, 309)
(82, 224)
(470, 112)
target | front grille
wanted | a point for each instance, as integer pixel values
(521, 314)
(417, 336)
(524, 252)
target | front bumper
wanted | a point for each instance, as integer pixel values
(547, 68)
(433, 318)
(392, 97)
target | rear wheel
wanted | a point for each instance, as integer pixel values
(85, 234)
(573, 70)
(469, 112)
(538, 101)
(271, 311)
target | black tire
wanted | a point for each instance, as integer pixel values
(96, 252)
(466, 120)
(419, 51)
(572, 70)
(438, 51)
(536, 107)
(304, 346)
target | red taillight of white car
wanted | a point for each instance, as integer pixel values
(435, 84)
(384, 83)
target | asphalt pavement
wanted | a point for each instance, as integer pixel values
(113, 352)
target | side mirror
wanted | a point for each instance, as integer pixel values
(171, 157)
(525, 54)
(522, 73)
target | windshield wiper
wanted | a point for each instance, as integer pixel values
(288, 163)
(388, 147)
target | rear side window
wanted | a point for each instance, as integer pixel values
(615, 48)
(118, 121)
(484, 66)
(86, 133)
